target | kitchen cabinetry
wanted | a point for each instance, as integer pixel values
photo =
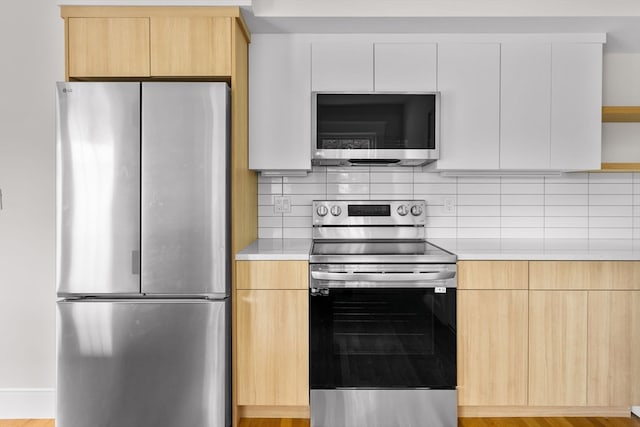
(469, 83)
(108, 47)
(342, 66)
(280, 103)
(272, 334)
(492, 333)
(409, 67)
(617, 114)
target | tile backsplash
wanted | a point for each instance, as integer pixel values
(575, 205)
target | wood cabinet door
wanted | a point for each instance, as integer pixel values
(108, 47)
(635, 348)
(492, 347)
(469, 85)
(405, 67)
(525, 105)
(609, 350)
(190, 46)
(342, 66)
(273, 347)
(493, 275)
(272, 274)
(557, 348)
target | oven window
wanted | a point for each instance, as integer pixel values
(391, 338)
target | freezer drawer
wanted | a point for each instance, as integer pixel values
(143, 363)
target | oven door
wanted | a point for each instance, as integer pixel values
(382, 326)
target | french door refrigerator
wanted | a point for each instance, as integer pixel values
(143, 254)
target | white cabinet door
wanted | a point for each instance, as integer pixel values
(405, 67)
(525, 105)
(469, 84)
(280, 102)
(341, 66)
(576, 105)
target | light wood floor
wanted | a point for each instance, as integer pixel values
(463, 422)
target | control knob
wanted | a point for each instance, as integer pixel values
(403, 210)
(416, 210)
(336, 210)
(322, 210)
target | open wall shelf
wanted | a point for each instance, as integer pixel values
(626, 114)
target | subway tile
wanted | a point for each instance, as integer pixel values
(636, 222)
(479, 221)
(566, 233)
(296, 233)
(265, 199)
(608, 200)
(568, 178)
(553, 188)
(348, 177)
(267, 211)
(348, 169)
(305, 210)
(566, 199)
(270, 188)
(522, 222)
(299, 188)
(347, 188)
(388, 188)
(617, 188)
(296, 221)
(310, 178)
(392, 177)
(522, 199)
(334, 196)
(610, 233)
(522, 233)
(438, 210)
(475, 199)
(435, 188)
(305, 199)
(434, 178)
(611, 211)
(566, 222)
(436, 199)
(533, 180)
(604, 177)
(270, 233)
(471, 210)
(610, 222)
(566, 210)
(521, 188)
(478, 233)
(269, 179)
(441, 221)
(395, 196)
(441, 233)
(636, 233)
(478, 180)
(523, 210)
(478, 188)
(270, 221)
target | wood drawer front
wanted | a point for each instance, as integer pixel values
(588, 275)
(272, 274)
(190, 46)
(108, 47)
(493, 275)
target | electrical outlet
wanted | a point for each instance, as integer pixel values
(282, 204)
(449, 206)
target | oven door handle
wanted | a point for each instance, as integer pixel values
(382, 277)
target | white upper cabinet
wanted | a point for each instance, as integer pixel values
(405, 67)
(469, 84)
(525, 105)
(576, 105)
(279, 102)
(342, 66)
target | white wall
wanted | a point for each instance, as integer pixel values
(32, 59)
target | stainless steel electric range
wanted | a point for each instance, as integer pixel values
(382, 318)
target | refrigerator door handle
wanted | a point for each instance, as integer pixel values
(135, 262)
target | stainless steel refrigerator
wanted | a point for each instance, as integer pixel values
(143, 254)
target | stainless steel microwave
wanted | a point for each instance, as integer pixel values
(375, 128)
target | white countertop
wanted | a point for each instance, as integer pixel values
(474, 249)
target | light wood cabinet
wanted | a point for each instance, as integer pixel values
(108, 47)
(558, 348)
(588, 275)
(492, 347)
(272, 333)
(493, 275)
(635, 348)
(190, 46)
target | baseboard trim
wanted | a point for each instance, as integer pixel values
(274, 412)
(36, 403)
(635, 410)
(543, 411)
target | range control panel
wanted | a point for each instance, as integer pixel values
(368, 212)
